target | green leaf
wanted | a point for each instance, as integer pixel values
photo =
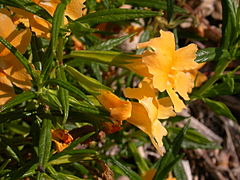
(23, 170)
(110, 44)
(45, 142)
(105, 57)
(222, 89)
(47, 64)
(179, 171)
(58, 19)
(212, 54)
(29, 6)
(193, 139)
(50, 98)
(20, 98)
(176, 145)
(20, 57)
(37, 53)
(13, 115)
(141, 163)
(80, 29)
(89, 84)
(229, 80)
(229, 23)
(70, 88)
(162, 174)
(155, 4)
(63, 93)
(170, 9)
(131, 174)
(219, 108)
(82, 106)
(114, 15)
(74, 156)
(169, 160)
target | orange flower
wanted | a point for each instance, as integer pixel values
(145, 91)
(167, 66)
(119, 109)
(144, 116)
(11, 70)
(61, 138)
(42, 27)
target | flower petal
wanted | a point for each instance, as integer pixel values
(153, 128)
(7, 26)
(6, 89)
(164, 44)
(184, 58)
(183, 84)
(74, 9)
(119, 109)
(165, 108)
(11, 65)
(144, 90)
(177, 102)
(137, 66)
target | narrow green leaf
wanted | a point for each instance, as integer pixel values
(162, 174)
(5, 163)
(63, 93)
(45, 142)
(36, 46)
(131, 174)
(20, 98)
(29, 6)
(70, 88)
(82, 106)
(47, 63)
(50, 98)
(179, 171)
(71, 158)
(114, 15)
(105, 57)
(170, 9)
(20, 57)
(141, 163)
(58, 19)
(229, 23)
(179, 139)
(89, 84)
(229, 80)
(80, 29)
(155, 4)
(193, 139)
(219, 108)
(15, 114)
(24, 169)
(110, 44)
(74, 156)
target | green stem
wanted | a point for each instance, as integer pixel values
(218, 72)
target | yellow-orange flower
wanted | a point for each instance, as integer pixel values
(42, 27)
(61, 138)
(166, 66)
(119, 109)
(144, 116)
(145, 91)
(11, 70)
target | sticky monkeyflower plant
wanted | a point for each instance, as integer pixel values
(75, 105)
